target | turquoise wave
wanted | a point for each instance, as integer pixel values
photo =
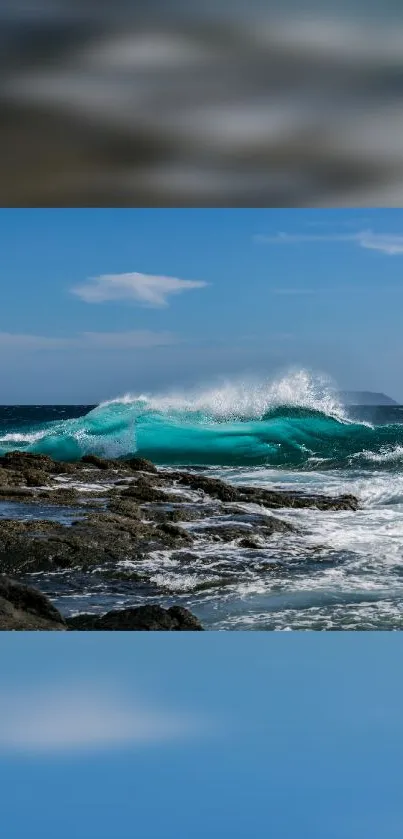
(283, 436)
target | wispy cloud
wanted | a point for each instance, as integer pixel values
(145, 289)
(70, 719)
(137, 339)
(390, 244)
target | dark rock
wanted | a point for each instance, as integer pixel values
(63, 496)
(183, 512)
(96, 540)
(25, 608)
(21, 461)
(125, 507)
(249, 542)
(273, 499)
(143, 492)
(174, 532)
(232, 532)
(107, 528)
(211, 486)
(9, 477)
(142, 618)
(140, 464)
(36, 478)
(16, 492)
(94, 460)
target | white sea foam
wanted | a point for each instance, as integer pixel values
(385, 455)
(247, 399)
(32, 437)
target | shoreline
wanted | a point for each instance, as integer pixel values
(104, 516)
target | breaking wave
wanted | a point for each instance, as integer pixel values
(296, 422)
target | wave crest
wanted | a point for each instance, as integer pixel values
(295, 422)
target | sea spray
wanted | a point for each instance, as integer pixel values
(294, 422)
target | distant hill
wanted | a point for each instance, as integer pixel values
(364, 397)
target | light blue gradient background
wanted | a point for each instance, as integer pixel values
(308, 741)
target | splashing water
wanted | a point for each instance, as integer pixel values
(296, 421)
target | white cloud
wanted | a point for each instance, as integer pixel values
(391, 245)
(137, 339)
(387, 243)
(146, 289)
(74, 719)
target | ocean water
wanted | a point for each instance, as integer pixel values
(341, 570)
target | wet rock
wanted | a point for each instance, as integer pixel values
(211, 486)
(140, 464)
(144, 492)
(16, 492)
(9, 477)
(94, 460)
(174, 533)
(250, 542)
(183, 512)
(25, 608)
(94, 541)
(125, 507)
(63, 496)
(232, 532)
(36, 478)
(274, 499)
(106, 523)
(223, 533)
(142, 618)
(21, 461)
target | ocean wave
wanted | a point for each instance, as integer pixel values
(295, 422)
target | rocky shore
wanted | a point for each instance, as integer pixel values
(105, 515)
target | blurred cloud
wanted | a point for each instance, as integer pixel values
(387, 243)
(141, 288)
(168, 104)
(138, 339)
(75, 718)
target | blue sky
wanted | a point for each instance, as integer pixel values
(99, 302)
(239, 735)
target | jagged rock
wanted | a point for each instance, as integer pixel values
(125, 507)
(211, 486)
(16, 492)
(142, 618)
(249, 542)
(231, 532)
(21, 461)
(275, 499)
(175, 533)
(94, 460)
(140, 464)
(25, 608)
(144, 492)
(36, 478)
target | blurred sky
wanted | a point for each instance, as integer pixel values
(219, 104)
(305, 736)
(186, 296)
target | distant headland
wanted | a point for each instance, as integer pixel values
(365, 397)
